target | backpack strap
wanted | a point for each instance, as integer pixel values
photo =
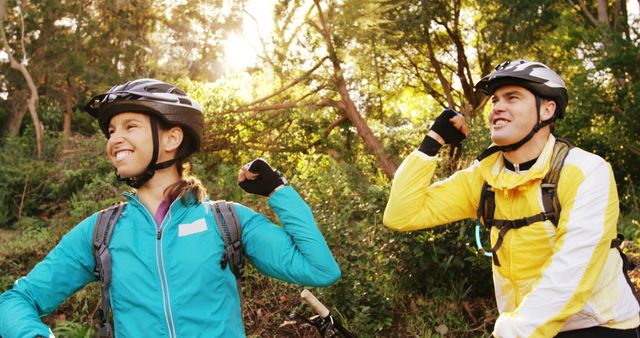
(549, 185)
(627, 265)
(102, 232)
(487, 206)
(550, 201)
(231, 231)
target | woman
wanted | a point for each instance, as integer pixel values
(167, 280)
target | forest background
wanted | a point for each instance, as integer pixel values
(340, 93)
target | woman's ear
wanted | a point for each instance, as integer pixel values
(547, 110)
(172, 139)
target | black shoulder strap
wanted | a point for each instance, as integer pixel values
(549, 184)
(487, 206)
(627, 265)
(231, 230)
(102, 232)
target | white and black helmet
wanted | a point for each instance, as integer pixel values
(535, 76)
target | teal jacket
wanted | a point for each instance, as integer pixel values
(172, 285)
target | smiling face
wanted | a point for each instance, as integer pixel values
(130, 144)
(513, 114)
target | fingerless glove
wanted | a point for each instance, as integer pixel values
(267, 180)
(446, 130)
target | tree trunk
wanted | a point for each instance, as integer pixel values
(17, 109)
(603, 16)
(371, 141)
(68, 112)
(31, 105)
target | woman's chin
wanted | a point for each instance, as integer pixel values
(126, 173)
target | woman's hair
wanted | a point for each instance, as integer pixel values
(189, 187)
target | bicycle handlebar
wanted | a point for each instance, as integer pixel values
(315, 304)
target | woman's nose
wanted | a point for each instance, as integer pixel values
(115, 138)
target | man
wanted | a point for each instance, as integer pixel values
(563, 279)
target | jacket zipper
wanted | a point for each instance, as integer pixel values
(164, 285)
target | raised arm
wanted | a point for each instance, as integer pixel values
(414, 203)
(68, 267)
(295, 252)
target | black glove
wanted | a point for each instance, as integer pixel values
(446, 130)
(267, 180)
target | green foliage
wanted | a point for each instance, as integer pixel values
(30, 186)
(25, 181)
(393, 284)
(69, 329)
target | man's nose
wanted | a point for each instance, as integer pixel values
(497, 107)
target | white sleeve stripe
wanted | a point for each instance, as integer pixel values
(585, 228)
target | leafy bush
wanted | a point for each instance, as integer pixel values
(70, 329)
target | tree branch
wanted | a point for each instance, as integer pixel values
(287, 86)
(24, 50)
(288, 105)
(327, 131)
(585, 11)
(436, 67)
(428, 88)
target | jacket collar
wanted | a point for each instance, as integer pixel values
(177, 207)
(494, 172)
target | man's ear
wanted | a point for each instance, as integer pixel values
(172, 139)
(547, 109)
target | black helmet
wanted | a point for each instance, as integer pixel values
(162, 102)
(154, 97)
(535, 76)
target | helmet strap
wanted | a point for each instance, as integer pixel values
(511, 147)
(139, 180)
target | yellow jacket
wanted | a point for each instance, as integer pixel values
(551, 279)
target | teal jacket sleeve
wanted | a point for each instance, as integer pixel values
(296, 252)
(68, 267)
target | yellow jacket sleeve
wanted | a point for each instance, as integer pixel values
(414, 203)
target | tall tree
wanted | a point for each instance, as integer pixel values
(22, 68)
(304, 33)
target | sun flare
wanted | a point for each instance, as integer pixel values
(241, 50)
